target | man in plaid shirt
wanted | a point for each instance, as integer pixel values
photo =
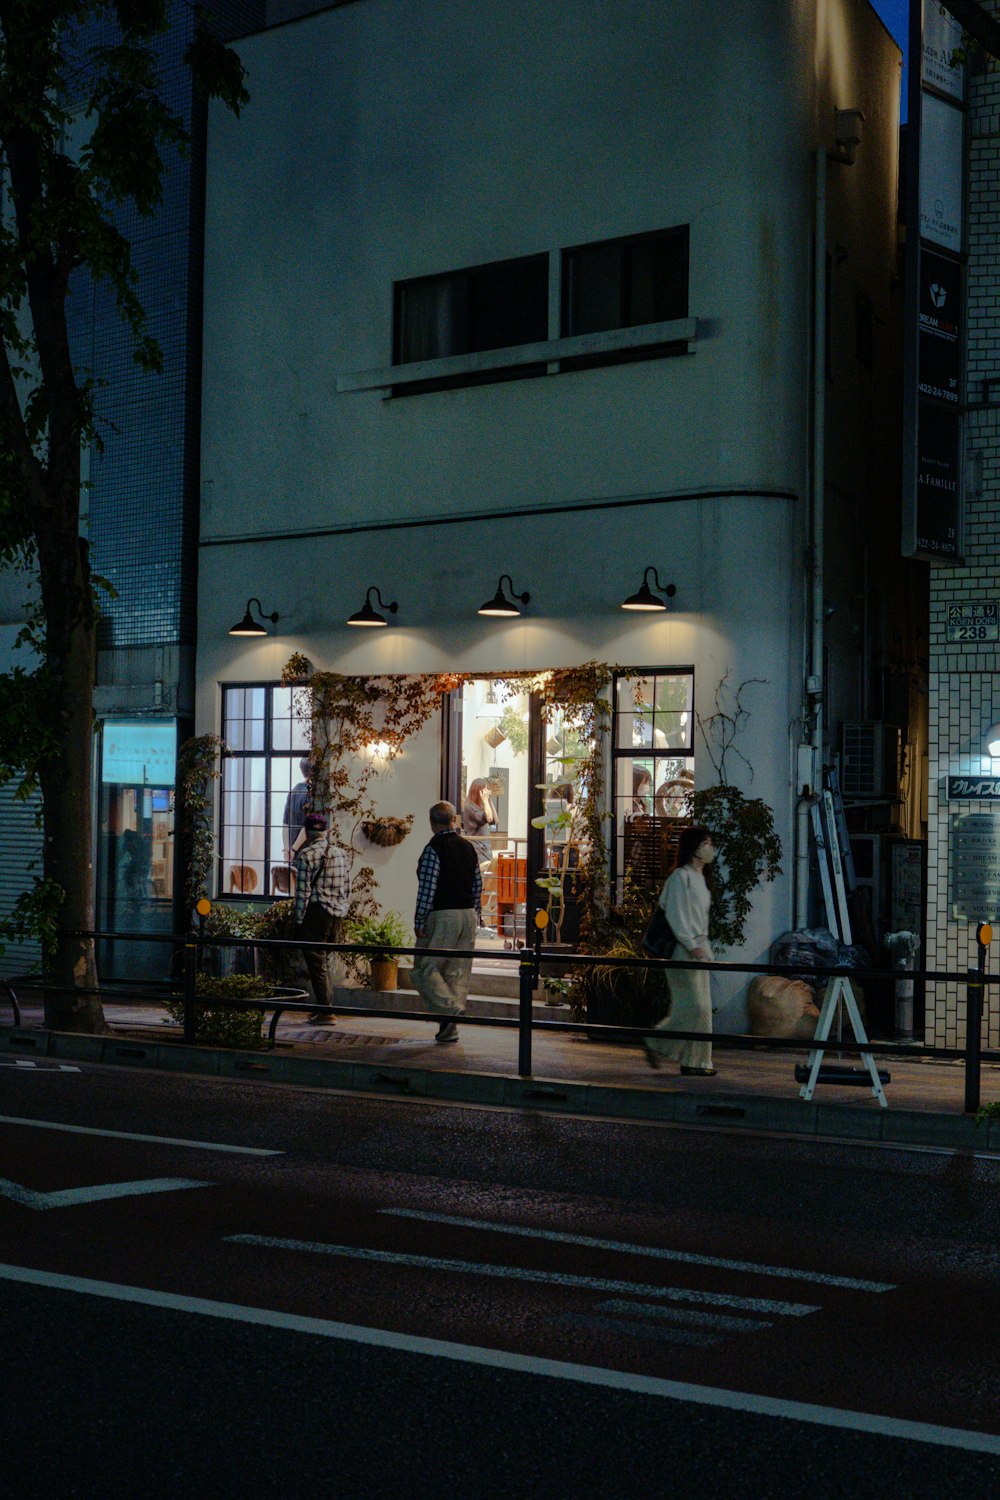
(322, 894)
(449, 889)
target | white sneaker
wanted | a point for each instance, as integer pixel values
(447, 1032)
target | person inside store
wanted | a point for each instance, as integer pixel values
(686, 900)
(449, 892)
(296, 806)
(478, 817)
(322, 896)
(642, 787)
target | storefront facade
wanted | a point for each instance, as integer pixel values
(471, 315)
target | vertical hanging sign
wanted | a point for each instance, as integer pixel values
(935, 272)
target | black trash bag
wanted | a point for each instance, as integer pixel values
(853, 956)
(807, 950)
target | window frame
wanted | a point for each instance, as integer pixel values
(267, 753)
(633, 752)
(464, 277)
(681, 232)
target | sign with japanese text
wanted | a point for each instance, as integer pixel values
(974, 865)
(974, 621)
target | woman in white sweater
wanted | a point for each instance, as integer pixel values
(686, 899)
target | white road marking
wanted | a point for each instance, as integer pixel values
(74, 1197)
(687, 1315)
(691, 1339)
(523, 1273)
(521, 1364)
(128, 1135)
(820, 1278)
(29, 1062)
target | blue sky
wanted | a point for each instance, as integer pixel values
(894, 14)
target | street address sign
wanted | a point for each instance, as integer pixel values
(977, 621)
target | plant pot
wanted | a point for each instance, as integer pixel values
(384, 973)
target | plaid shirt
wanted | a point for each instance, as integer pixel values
(428, 870)
(322, 874)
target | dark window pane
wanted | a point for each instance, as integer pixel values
(510, 303)
(594, 289)
(625, 283)
(658, 275)
(432, 318)
(487, 307)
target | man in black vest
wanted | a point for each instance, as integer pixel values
(449, 890)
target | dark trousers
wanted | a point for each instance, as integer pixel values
(319, 926)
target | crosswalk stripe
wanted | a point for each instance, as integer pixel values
(690, 1338)
(522, 1273)
(654, 1252)
(726, 1321)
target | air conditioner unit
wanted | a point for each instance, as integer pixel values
(871, 759)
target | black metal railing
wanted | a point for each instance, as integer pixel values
(191, 948)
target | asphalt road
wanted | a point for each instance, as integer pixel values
(219, 1289)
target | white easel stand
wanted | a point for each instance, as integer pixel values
(841, 986)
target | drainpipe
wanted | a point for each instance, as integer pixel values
(814, 683)
(810, 753)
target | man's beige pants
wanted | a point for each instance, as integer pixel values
(444, 982)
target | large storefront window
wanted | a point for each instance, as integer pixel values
(136, 839)
(264, 789)
(653, 772)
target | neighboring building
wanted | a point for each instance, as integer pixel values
(529, 290)
(963, 876)
(142, 499)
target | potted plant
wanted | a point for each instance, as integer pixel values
(379, 933)
(385, 831)
(296, 671)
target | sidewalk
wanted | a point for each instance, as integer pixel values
(399, 1057)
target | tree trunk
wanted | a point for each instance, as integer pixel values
(72, 1003)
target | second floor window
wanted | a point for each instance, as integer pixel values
(464, 312)
(625, 283)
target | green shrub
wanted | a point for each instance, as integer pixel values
(224, 1025)
(378, 933)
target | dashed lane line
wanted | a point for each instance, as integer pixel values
(129, 1135)
(872, 1423)
(524, 1273)
(653, 1252)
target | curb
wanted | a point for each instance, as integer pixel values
(615, 1101)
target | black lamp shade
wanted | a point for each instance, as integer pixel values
(368, 615)
(645, 599)
(248, 625)
(500, 606)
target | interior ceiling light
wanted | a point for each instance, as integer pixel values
(645, 599)
(500, 605)
(249, 626)
(368, 615)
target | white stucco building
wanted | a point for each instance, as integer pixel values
(527, 289)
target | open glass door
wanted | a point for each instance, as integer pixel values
(494, 799)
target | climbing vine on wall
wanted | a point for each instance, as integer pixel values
(358, 725)
(198, 764)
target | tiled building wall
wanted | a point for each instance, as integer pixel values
(965, 680)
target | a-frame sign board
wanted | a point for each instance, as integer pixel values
(825, 833)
